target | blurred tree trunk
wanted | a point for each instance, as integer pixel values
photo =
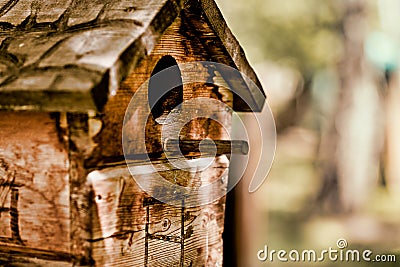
(392, 169)
(296, 108)
(350, 149)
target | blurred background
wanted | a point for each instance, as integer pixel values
(330, 70)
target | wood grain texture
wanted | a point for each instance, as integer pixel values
(119, 228)
(71, 55)
(80, 132)
(17, 11)
(34, 191)
(205, 147)
(50, 11)
(84, 11)
(32, 257)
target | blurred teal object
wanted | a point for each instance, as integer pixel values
(383, 51)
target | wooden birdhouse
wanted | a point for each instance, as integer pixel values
(86, 132)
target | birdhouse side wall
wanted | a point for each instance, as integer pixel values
(34, 187)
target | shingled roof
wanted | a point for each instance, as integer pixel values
(63, 55)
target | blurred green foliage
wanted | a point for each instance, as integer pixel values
(302, 34)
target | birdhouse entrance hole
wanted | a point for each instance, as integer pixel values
(165, 90)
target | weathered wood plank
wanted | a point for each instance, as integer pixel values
(30, 254)
(83, 11)
(119, 229)
(31, 47)
(14, 259)
(16, 11)
(136, 10)
(5, 5)
(66, 86)
(34, 188)
(51, 10)
(81, 128)
(97, 48)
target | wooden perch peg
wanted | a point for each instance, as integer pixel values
(206, 146)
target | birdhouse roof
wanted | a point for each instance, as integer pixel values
(65, 55)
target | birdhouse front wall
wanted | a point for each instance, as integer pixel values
(125, 229)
